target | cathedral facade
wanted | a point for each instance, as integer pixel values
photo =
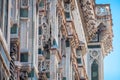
(54, 39)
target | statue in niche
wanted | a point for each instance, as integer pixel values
(13, 50)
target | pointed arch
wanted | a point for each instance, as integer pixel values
(94, 70)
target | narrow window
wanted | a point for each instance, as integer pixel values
(79, 60)
(24, 57)
(54, 42)
(67, 43)
(40, 30)
(67, 14)
(94, 71)
(14, 29)
(39, 51)
(23, 12)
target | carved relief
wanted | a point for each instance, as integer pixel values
(102, 10)
(47, 65)
(95, 38)
(89, 18)
(13, 50)
(94, 54)
(24, 75)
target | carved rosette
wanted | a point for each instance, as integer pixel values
(94, 54)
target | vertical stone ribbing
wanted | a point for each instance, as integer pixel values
(53, 65)
(68, 62)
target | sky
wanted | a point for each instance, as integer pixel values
(112, 61)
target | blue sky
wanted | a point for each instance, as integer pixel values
(112, 61)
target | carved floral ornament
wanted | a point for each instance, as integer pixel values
(89, 18)
(102, 10)
(94, 54)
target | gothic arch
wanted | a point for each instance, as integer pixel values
(94, 70)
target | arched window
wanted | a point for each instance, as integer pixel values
(54, 42)
(94, 71)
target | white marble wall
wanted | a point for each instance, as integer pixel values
(54, 19)
(29, 33)
(24, 35)
(68, 63)
(53, 65)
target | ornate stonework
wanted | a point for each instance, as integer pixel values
(55, 39)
